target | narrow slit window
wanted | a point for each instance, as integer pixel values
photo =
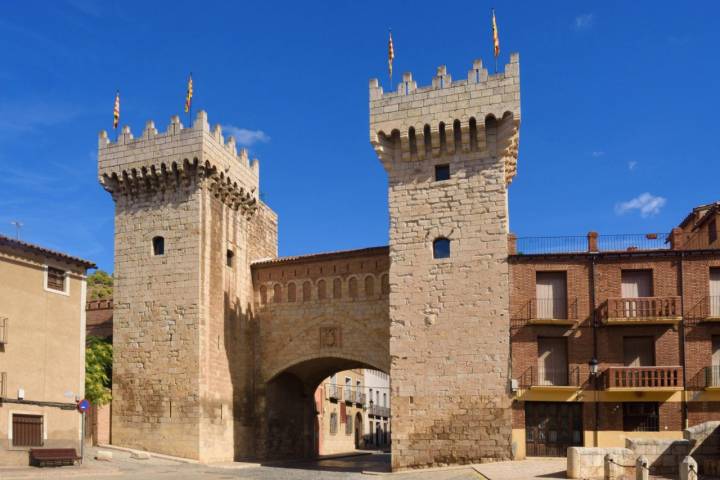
(229, 257)
(158, 246)
(441, 248)
(442, 172)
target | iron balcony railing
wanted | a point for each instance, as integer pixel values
(354, 395)
(548, 309)
(333, 391)
(379, 411)
(712, 376)
(642, 378)
(591, 242)
(641, 308)
(551, 377)
(3, 330)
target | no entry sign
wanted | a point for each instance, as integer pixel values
(83, 405)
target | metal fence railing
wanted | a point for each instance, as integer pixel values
(551, 377)
(590, 243)
(712, 376)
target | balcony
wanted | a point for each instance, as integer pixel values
(590, 243)
(378, 411)
(649, 379)
(641, 311)
(712, 377)
(548, 311)
(333, 391)
(706, 310)
(3, 330)
(551, 379)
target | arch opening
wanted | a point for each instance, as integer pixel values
(327, 405)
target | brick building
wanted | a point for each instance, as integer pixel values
(614, 336)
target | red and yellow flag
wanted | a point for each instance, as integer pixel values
(188, 96)
(496, 36)
(116, 110)
(391, 55)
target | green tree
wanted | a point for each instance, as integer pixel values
(100, 285)
(98, 371)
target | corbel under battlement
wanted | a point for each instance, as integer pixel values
(156, 162)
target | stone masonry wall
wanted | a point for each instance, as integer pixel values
(155, 325)
(449, 340)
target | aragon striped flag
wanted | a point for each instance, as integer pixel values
(496, 36)
(391, 55)
(188, 96)
(116, 110)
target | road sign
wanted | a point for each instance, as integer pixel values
(83, 405)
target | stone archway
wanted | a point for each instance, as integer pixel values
(288, 417)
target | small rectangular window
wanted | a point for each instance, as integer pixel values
(56, 279)
(229, 258)
(442, 172)
(27, 430)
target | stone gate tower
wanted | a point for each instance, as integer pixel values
(188, 223)
(450, 151)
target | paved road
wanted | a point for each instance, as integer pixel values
(123, 467)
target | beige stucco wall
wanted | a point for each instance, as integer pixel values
(45, 349)
(341, 441)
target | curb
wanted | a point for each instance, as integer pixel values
(152, 454)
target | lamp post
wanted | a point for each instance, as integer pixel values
(593, 365)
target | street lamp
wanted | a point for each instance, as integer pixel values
(593, 364)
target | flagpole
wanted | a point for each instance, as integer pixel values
(190, 107)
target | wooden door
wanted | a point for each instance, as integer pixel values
(552, 427)
(551, 295)
(635, 284)
(714, 298)
(715, 362)
(639, 351)
(552, 361)
(27, 430)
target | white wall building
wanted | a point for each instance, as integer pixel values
(377, 426)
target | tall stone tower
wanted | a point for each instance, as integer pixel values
(188, 223)
(450, 151)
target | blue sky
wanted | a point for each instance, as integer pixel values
(619, 102)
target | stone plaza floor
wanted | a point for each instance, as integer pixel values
(368, 466)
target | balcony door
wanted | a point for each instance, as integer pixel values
(715, 292)
(635, 284)
(715, 362)
(551, 295)
(552, 361)
(639, 351)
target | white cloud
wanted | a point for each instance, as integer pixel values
(246, 137)
(584, 21)
(646, 203)
(632, 165)
(598, 153)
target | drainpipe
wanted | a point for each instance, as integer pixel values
(682, 340)
(593, 319)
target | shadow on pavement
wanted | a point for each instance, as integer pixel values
(366, 462)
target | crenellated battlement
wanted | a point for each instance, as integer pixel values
(479, 114)
(154, 162)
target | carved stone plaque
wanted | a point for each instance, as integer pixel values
(330, 337)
